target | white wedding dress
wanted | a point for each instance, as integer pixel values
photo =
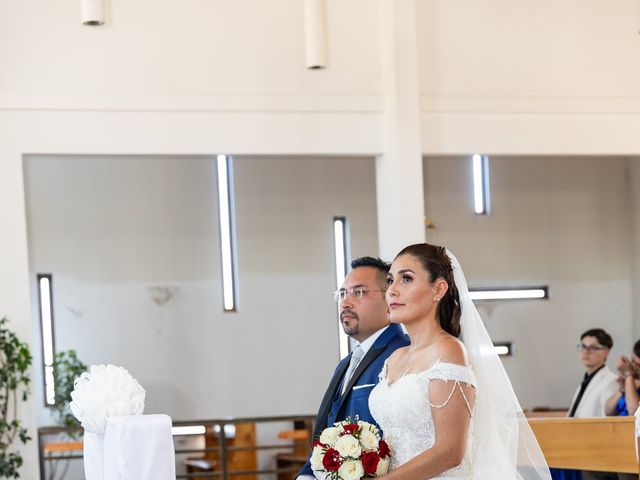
(403, 411)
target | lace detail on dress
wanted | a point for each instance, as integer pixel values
(403, 411)
(457, 373)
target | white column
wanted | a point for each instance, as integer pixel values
(399, 182)
(634, 175)
(14, 283)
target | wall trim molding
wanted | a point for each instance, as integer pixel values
(191, 103)
(530, 104)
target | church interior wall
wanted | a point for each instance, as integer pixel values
(556, 221)
(133, 246)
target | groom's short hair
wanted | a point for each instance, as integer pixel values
(375, 262)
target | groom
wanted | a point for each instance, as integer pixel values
(365, 318)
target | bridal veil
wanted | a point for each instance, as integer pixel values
(504, 446)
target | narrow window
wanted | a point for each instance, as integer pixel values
(509, 293)
(481, 184)
(188, 430)
(341, 255)
(503, 349)
(46, 328)
(227, 246)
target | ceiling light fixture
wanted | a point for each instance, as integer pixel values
(92, 12)
(315, 33)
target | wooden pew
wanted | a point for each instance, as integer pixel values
(52, 447)
(244, 458)
(598, 444)
(301, 436)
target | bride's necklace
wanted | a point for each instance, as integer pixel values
(409, 363)
(429, 342)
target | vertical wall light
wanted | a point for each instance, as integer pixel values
(481, 184)
(341, 255)
(46, 328)
(227, 233)
(92, 12)
(315, 33)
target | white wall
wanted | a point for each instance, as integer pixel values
(247, 47)
(565, 223)
(544, 77)
(109, 228)
(495, 76)
(561, 222)
(237, 68)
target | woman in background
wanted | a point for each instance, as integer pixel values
(625, 401)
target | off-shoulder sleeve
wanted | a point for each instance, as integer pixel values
(455, 373)
(451, 371)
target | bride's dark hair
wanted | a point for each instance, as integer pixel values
(437, 263)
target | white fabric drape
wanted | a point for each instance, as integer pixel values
(139, 447)
(134, 447)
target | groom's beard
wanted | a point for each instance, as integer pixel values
(350, 322)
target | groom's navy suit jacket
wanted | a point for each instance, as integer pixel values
(335, 406)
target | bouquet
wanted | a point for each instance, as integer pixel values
(350, 450)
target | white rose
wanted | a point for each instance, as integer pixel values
(316, 458)
(351, 470)
(369, 440)
(348, 446)
(368, 426)
(329, 436)
(383, 466)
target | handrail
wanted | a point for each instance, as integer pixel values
(223, 448)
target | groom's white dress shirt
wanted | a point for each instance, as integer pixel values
(365, 345)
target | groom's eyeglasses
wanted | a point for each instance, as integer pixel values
(357, 292)
(590, 348)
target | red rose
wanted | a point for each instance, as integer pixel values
(370, 462)
(350, 428)
(383, 449)
(317, 443)
(331, 460)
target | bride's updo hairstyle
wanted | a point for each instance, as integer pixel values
(436, 262)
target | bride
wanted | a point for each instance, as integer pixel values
(445, 403)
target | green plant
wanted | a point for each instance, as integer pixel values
(66, 368)
(15, 360)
